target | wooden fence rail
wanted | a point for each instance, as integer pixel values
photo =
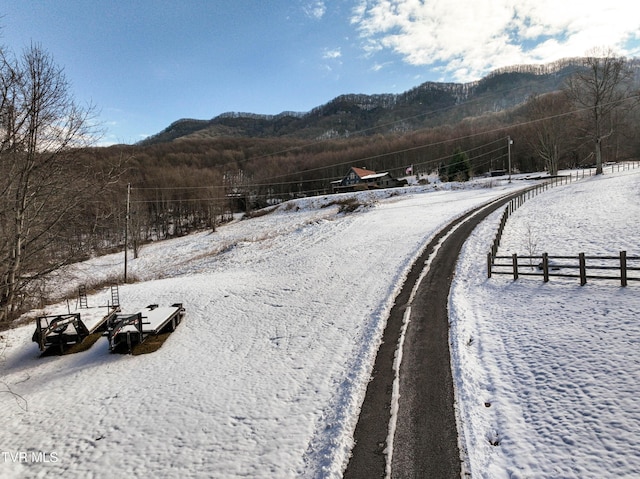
(559, 265)
(622, 268)
(517, 202)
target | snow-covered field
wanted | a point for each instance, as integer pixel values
(548, 375)
(284, 313)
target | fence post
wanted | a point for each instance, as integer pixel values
(545, 267)
(514, 258)
(489, 264)
(583, 269)
(623, 268)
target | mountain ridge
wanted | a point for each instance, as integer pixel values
(425, 105)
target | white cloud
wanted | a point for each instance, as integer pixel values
(315, 9)
(472, 38)
(332, 54)
(332, 60)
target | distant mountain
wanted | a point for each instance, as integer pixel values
(426, 105)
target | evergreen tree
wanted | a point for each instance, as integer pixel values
(459, 167)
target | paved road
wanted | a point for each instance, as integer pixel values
(426, 440)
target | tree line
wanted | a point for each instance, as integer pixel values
(46, 179)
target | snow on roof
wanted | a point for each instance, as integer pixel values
(374, 176)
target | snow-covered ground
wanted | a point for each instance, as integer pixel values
(284, 313)
(548, 375)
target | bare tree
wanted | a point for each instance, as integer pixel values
(600, 88)
(46, 177)
(549, 138)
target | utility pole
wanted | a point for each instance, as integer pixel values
(509, 143)
(126, 230)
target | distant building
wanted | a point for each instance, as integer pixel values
(358, 179)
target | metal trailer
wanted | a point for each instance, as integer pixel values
(71, 328)
(133, 329)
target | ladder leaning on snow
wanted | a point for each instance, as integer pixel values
(82, 297)
(115, 296)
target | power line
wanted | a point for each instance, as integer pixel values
(324, 179)
(365, 130)
(267, 183)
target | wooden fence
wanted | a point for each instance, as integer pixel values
(560, 265)
(515, 203)
(621, 268)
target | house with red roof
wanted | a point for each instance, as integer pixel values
(358, 179)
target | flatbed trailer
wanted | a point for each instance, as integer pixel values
(71, 328)
(65, 328)
(133, 329)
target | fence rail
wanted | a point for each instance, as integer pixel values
(626, 268)
(559, 265)
(517, 202)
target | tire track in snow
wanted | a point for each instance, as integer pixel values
(426, 442)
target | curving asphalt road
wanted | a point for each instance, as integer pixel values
(426, 438)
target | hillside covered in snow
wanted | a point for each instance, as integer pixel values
(284, 314)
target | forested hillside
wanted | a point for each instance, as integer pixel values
(196, 173)
(429, 104)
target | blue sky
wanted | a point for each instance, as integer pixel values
(147, 63)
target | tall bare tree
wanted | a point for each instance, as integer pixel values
(600, 88)
(549, 128)
(45, 177)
